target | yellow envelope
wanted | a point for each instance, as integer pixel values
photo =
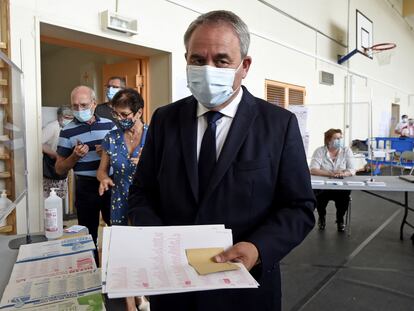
(201, 259)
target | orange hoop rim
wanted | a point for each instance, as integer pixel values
(381, 47)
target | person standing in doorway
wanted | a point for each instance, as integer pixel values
(50, 138)
(114, 85)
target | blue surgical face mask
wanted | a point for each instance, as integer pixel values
(83, 115)
(405, 120)
(338, 143)
(111, 91)
(211, 86)
(65, 122)
(126, 124)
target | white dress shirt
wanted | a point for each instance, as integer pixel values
(223, 124)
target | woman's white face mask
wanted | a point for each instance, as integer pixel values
(211, 86)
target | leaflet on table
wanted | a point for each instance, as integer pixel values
(88, 301)
(334, 182)
(158, 263)
(317, 181)
(50, 289)
(55, 248)
(354, 183)
(49, 267)
(375, 183)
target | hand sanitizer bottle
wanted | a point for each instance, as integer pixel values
(53, 216)
(4, 205)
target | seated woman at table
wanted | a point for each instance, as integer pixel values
(335, 161)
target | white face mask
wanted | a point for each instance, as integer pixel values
(211, 86)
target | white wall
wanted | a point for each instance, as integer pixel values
(62, 69)
(282, 49)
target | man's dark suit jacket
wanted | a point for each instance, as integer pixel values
(260, 189)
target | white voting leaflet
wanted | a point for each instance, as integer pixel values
(375, 183)
(106, 236)
(55, 266)
(55, 248)
(334, 182)
(46, 290)
(355, 183)
(317, 181)
(152, 260)
(88, 301)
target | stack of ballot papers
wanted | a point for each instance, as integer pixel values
(55, 275)
(373, 183)
(140, 261)
(317, 182)
(354, 183)
(334, 182)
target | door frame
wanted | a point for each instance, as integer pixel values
(93, 48)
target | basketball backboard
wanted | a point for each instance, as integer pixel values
(364, 34)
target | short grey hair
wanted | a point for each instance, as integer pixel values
(83, 87)
(121, 79)
(221, 16)
(64, 111)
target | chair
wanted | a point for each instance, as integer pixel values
(406, 160)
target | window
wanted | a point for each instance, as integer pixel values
(284, 94)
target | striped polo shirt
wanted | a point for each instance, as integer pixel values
(83, 133)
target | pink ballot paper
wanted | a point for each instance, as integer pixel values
(153, 261)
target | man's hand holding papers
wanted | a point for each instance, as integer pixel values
(158, 264)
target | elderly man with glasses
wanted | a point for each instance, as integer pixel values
(79, 148)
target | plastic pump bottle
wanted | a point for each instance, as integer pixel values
(4, 204)
(53, 216)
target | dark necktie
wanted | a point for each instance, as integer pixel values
(208, 156)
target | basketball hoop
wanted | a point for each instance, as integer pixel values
(382, 52)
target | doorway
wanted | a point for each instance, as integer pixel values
(70, 58)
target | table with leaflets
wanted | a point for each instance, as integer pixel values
(371, 185)
(51, 275)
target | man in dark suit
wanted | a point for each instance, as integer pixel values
(259, 183)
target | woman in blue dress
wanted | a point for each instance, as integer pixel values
(121, 150)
